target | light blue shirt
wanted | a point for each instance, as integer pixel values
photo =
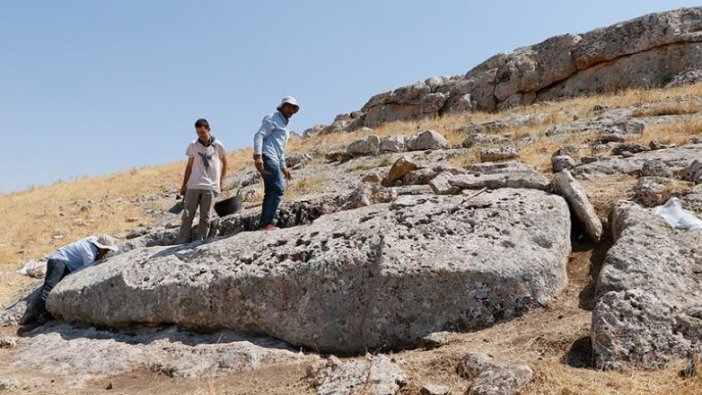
(78, 254)
(272, 137)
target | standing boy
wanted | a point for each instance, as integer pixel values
(204, 177)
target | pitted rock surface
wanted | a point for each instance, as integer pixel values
(383, 275)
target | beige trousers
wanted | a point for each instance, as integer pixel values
(194, 198)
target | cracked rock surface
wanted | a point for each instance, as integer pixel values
(382, 275)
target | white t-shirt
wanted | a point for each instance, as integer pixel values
(207, 165)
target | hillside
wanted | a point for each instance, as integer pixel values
(635, 141)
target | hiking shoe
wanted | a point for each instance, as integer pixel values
(269, 227)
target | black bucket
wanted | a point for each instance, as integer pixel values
(228, 206)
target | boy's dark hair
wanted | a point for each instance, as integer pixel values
(202, 122)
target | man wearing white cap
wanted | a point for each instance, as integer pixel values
(269, 158)
(68, 259)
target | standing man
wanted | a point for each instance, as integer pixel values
(204, 177)
(269, 158)
(68, 259)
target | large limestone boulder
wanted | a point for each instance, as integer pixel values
(380, 276)
(635, 328)
(649, 282)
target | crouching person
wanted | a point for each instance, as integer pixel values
(204, 177)
(68, 259)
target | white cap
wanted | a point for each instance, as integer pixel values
(106, 242)
(289, 100)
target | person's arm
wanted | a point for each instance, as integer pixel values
(223, 159)
(186, 177)
(263, 132)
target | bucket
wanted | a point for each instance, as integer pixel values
(228, 206)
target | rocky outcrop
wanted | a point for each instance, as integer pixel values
(676, 159)
(652, 50)
(21, 309)
(348, 282)
(60, 349)
(649, 279)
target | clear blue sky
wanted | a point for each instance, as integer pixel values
(91, 87)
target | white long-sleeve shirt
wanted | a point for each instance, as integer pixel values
(272, 137)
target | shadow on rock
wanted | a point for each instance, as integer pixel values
(599, 252)
(580, 354)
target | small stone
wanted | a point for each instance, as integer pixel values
(473, 364)
(8, 384)
(656, 168)
(656, 145)
(399, 169)
(475, 139)
(419, 177)
(567, 150)
(8, 342)
(562, 162)
(366, 147)
(372, 178)
(631, 148)
(441, 184)
(499, 154)
(501, 379)
(337, 156)
(392, 144)
(433, 389)
(693, 172)
(427, 140)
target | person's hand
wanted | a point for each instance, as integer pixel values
(287, 174)
(258, 161)
(182, 190)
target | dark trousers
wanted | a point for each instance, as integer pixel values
(56, 270)
(274, 186)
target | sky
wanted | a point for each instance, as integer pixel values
(94, 87)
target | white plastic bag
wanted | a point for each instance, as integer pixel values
(36, 269)
(676, 217)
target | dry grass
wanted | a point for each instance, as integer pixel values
(39, 220)
(305, 185)
(668, 109)
(673, 133)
